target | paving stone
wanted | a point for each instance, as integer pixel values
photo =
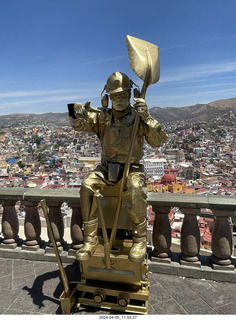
(35, 302)
(50, 285)
(3, 309)
(215, 298)
(45, 286)
(198, 307)
(167, 281)
(6, 282)
(13, 311)
(229, 289)
(48, 305)
(152, 279)
(229, 308)
(6, 267)
(19, 283)
(6, 299)
(151, 310)
(183, 294)
(22, 303)
(168, 307)
(31, 289)
(197, 285)
(158, 294)
(26, 268)
(41, 268)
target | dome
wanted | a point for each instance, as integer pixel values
(168, 178)
(180, 156)
(180, 152)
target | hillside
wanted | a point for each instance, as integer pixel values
(197, 112)
(201, 112)
(21, 119)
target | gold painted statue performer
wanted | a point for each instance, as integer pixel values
(114, 126)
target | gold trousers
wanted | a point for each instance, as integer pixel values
(133, 199)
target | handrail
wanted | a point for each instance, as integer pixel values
(219, 202)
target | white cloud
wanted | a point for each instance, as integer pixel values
(17, 94)
(67, 98)
(105, 60)
(212, 85)
(177, 100)
(196, 72)
(189, 44)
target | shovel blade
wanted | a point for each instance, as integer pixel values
(143, 59)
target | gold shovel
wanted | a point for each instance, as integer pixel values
(144, 61)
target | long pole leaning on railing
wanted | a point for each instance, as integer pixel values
(52, 238)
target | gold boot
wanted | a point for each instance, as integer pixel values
(90, 240)
(139, 248)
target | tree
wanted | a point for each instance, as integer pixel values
(192, 137)
(36, 139)
(41, 158)
(188, 157)
(21, 164)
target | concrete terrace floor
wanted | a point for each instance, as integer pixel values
(33, 287)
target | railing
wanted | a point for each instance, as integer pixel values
(222, 207)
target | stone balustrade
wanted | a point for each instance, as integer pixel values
(222, 207)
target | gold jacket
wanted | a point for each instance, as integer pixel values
(115, 133)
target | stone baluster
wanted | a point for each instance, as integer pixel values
(32, 226)
(221, 244)
(161, 235)
(76, 228)
(56, 219)
(190, 238)
(10, 225)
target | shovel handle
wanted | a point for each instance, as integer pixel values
(128, 160)
(146, 83)
(104, 231)
(123, 182)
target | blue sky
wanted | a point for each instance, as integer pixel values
(55, 52)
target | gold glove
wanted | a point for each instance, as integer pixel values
(141, 109)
